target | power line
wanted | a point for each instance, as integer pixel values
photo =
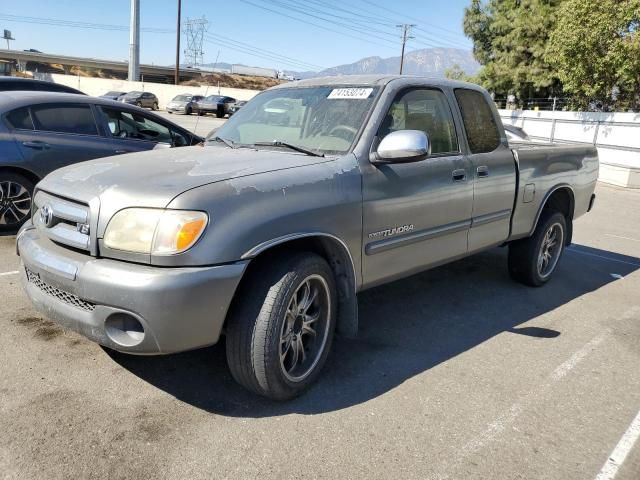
(368, 40)
(111, 27)
(257, 53)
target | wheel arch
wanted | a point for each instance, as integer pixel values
(560, 198)
(339, 258)
(32, 177)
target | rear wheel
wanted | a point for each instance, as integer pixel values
(188, 111)
(139, 104)
(220, 112)
(280, 331)
(154, 107)
(533, 260)
(16, 193)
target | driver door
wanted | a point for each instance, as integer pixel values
(417, 214)
(135, 132)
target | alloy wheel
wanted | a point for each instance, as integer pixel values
(15, 203)
(550, 250)
(305, 328)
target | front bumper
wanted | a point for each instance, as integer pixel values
(125, 306)
(176, 109)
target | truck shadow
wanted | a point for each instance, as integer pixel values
(406, 328)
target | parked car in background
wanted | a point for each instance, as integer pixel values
(113, 95)
(217, 104)
(515, 134)
(183, 103)
(236, 106)
(40, 132)
(8, 84)
(141, 99)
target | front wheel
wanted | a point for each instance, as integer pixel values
(533, 260)
(281, 328)
(16, 194)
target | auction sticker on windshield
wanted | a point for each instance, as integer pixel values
(351, 93)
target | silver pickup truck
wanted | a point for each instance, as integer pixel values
(312, 192)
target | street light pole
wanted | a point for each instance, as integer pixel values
(177, 79)
(134, 42)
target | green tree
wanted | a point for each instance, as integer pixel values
(595, 48)
(509, 40)
(456, 73)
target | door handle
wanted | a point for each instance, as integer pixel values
(459, 175)
(482, 171)
(122, 151)
(37, 145)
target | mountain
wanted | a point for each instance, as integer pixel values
(428, 61)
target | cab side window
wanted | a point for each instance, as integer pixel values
(482, 132)
(426, 110)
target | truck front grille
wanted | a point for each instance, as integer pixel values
(63, 221)
(65, 297)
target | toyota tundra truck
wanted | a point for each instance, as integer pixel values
(314, 191)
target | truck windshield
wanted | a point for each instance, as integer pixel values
(323, 119)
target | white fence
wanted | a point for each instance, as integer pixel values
(164, 92)
(617, 136)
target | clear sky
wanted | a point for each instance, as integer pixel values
(362, 28)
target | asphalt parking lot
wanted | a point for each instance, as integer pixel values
(457, 373)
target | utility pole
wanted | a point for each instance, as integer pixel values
(177, 80)
(406, 29)
(134, 42)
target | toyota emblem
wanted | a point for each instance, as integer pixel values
(46, 215)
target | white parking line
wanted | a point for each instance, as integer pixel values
(4, 274)
(499, 425)
(572, 250)
(624, 238)
(624, 446)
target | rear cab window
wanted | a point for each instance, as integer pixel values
(480, 124)
(75, 119)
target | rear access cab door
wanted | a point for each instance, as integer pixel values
(493, 169)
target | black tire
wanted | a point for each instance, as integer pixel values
(525, 254)
(260, 319)
(16, 193)
(154, 107)
(220, 112)
(188, 111)
(139, 104)
(200, 113)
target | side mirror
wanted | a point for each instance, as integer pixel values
(403, 146)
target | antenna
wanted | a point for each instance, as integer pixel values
(194, 30)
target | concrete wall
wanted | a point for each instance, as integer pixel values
(617, 136)
(164, 92)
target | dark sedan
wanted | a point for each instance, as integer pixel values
(40, 132)
(218, 104)
(141, 99)
(11, 84)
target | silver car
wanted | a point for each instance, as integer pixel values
(183, 103)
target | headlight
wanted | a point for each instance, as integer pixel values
(154, 231)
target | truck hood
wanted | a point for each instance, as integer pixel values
(153, 178)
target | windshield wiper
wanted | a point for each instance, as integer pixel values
(228, 143)
(278, 143)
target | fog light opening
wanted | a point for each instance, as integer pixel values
(124, 329)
